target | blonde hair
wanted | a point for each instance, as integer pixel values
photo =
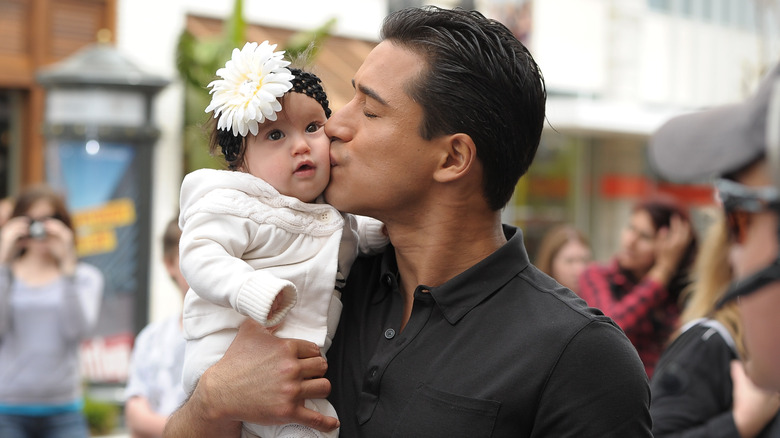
(711, 277)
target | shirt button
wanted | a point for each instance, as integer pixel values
(388, 280)
(389, 333)
(372, 373)
(324, 217)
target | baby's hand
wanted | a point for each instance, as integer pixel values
(276, 306)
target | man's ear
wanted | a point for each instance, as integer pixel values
(459, 154)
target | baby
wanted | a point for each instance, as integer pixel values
(257, 240)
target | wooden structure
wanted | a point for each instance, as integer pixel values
(33, 34)
(338, 59)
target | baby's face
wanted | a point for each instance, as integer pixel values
(292, 153)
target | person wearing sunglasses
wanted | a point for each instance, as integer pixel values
(738, 145)
(699, 388)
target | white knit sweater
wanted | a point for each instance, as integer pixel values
(243, 243)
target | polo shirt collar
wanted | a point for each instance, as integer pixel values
(462, 293)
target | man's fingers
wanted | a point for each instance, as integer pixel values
(305, 349)
(313, 367)
(315, 388)
(316, 420)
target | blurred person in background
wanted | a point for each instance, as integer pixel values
(6, 209)
(154, 387)
(49, 303)
(699, 388)
(564, 253)
(739, 144)
(639, 288)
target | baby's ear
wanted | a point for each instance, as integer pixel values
(458, 157)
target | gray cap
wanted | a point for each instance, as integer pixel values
(714, 142)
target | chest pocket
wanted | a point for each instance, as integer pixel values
(434, 413)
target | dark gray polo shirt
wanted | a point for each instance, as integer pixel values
(501, 350)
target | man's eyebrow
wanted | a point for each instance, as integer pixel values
(370, 93)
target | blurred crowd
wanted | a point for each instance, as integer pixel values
(701, 313)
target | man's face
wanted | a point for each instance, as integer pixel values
(379, 161)
(760, 310)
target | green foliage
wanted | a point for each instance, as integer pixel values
(197, 61)
(101, 416)
(307, 44)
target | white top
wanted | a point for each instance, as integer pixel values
(243, 243)
(156, 366)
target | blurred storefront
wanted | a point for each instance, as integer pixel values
(615, 70)
(33, 34)
(36, 34)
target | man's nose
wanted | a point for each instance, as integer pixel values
(337, 128)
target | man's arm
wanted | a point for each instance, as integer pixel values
(261, 379)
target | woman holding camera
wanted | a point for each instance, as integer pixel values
(49, 303)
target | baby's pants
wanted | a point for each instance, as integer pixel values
(293, 430)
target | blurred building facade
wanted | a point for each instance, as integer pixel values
(614, 69)
(617, 69)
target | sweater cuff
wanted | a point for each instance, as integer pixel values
(258, 294)
(373, 240)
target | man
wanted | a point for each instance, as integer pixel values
(739, 144)
(154, 387)
(451, 332)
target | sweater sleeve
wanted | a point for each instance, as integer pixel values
(628, 310)
(692, 387)
(613, 402)
(371, 237)
(83, 293)
(211, 248)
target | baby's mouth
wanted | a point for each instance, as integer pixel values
(305, 167)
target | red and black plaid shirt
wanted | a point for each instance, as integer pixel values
(643, 310)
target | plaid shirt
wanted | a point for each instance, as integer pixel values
(643, 310)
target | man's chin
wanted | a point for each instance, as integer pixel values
(331, 197)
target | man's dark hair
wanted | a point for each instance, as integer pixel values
(481, 81)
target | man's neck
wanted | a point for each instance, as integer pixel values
(431, 252)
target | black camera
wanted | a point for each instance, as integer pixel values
(37, 230)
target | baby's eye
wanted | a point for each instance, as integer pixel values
(313, 127)
(275, 135)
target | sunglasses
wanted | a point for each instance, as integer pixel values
(739, 203)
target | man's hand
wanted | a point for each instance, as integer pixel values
(753, 407)
(261, 379)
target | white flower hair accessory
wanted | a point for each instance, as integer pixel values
(252, 80)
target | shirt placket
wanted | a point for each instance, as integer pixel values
(393, 341)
